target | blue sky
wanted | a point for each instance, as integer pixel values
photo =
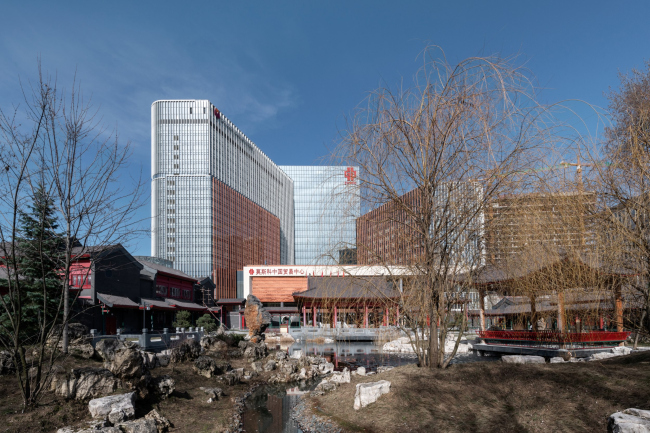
(287, 73)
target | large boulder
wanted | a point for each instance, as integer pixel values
(162, 423)
(83, 350)
(325, 368)
(107, 347)
(340, 376)
(101, 408)
(629, 421)
(523, 359)
(188, 350)
(257, 319)
(77, 334)
(163, 386)
(368, 393)
(7, 365)
(127, 364)
(211, 343)
(253, 351)
(84, 383)
(206, 366)
(602, 355)
(142, 425)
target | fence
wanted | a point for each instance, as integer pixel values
(153, 340)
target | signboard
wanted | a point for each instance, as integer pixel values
(276, 271)
(350, 176)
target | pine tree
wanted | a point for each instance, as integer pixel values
(39, 251)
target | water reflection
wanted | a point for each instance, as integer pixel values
(268, 410)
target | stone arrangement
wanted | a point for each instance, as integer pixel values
(257, 319)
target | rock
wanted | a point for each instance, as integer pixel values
(257, 318)
(254, 351)
(257, 366)
(297, 354)
(340, 376)
(280, 355)
(369, 393)
(213, 393)
(163, 386)
(401, 345)
(188, 350)
(206, 366)
(127, 364)
(384, 369)
(270, 365)
(361, 371)
(84, 350)
(629, 421)
(523, 359)
(601, 355)
(77, 334)
(102, 407)
(233, 377)
(7, 365)
(162, 359)
(107, 347)
(557, 360)
(621, 350)
(325, 386)
(162, 423)
(117, 416)
(87, 382)
(211, 343)
(142, 425)
(326, 368)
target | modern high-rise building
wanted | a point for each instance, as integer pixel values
(327, 204)
(218, 202)
(391, 233)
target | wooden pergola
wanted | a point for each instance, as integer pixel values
(557, 276)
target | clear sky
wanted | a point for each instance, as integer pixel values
(287, 73)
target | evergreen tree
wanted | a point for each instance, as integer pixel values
(39, 251)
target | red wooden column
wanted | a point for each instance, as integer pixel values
(386, 317)
(335, 316)
(365, 316)
(560, 312)
(397, 316)
(481, 303)
(304, 316)
(313, 315)
(619, 307)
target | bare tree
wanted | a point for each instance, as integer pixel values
(59, 142)
(431, 159)
(624, 183)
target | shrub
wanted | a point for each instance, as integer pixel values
(182, 320)
(208, 322)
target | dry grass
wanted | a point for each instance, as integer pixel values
(497, 397)
(186, 408)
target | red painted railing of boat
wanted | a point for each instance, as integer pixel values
(556, 337)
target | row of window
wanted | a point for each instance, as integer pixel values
(173, 292)
(80, 280)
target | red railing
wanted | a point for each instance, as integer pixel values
(555, 337)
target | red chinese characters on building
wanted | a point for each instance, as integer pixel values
(350, 176)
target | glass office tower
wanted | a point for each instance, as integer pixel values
(217, 201)
(327, 204)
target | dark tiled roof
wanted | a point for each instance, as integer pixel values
(185, 305)
(158, 304)
(165, 269)
(348, 288)
(282, 310)
(117, 301)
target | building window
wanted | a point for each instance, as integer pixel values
(186, 294)
(161, 290)
(190, 110)
(176, 292)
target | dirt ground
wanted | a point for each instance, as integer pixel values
(187, 408)
(496, 397)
